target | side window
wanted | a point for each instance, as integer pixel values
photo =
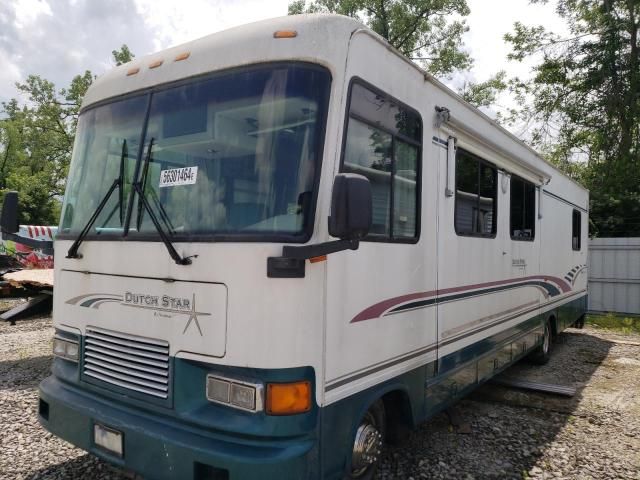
(383, 143)
(523, 209)
(476, 196)
(576, 230)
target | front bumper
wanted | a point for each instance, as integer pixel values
(163, 447)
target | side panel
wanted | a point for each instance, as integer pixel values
(485, 284)
(366, 343)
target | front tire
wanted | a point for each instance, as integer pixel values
(542, 353)
(368, 443)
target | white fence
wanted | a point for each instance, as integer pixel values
(614, 275)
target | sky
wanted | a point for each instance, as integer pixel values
(59, 39)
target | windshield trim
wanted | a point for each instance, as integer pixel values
(250, 237)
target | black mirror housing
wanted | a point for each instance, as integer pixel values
(351, 207)
(9, 216)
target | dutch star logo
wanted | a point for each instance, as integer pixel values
(163, 304)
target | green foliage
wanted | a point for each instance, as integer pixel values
(122, 56)
(626, 325)
(583, 104)
(484, 94)
(36, 140)
(428, 31)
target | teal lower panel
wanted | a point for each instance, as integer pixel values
(162, 448)
(340, 420)
(419, 394)
(568, 313)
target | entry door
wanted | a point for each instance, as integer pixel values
(381, 317)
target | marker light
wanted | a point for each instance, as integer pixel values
(156, 64)
(66, 349)
(285, 34)
(182, 56)
(132, 71)
(288, 398)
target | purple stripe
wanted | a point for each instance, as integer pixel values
(376, 311)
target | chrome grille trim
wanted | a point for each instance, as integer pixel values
(136, 363)
(129, 350)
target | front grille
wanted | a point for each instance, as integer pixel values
(128, 361)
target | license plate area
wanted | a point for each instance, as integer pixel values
(108, 439)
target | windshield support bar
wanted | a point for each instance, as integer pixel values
(73, 250)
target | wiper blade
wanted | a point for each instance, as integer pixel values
(163, 213)
(117, 183)
(138, 187)
(120, 206)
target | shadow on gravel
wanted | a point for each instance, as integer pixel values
(84, 467)
(509, 428)
(24, 373)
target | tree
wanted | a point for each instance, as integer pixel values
(122, 56)
(421, 29)
(36, 141)
(583, 103)
(428, 32)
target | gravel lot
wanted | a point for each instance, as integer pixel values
(513, 434)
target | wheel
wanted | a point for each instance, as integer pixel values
(368, 443)
(541, 355)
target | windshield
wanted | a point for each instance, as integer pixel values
(234, 154)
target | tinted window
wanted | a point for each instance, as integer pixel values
(383, 143)
(576, 229)
(476, 195)
(523, 209)
(235, 154)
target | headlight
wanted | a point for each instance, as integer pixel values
(65, 348)
(234, 393)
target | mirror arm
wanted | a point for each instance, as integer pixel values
(325, 248)
(292, 262)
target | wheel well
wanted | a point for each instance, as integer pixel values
(397, 407)
(554, 325)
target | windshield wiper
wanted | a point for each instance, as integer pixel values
(163, 213)
(138, 187)
(117, 183)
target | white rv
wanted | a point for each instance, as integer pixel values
(284, 244)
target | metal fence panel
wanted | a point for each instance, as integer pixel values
(614, 275)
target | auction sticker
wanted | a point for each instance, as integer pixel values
(178, 176)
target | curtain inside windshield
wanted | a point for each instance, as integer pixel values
(233, 154)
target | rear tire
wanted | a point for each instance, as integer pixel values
(368, 443)
(542, 353)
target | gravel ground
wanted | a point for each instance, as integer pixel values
(513, 434)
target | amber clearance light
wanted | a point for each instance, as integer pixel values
(285, 34)
(288, 398)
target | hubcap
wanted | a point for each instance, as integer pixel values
(546, 340)
(366, 448)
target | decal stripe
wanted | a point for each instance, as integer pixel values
(553, 291)
(74, 300)
(466, 326)
(91, 301)
(382, 366)
(353, 376)
(425, 298)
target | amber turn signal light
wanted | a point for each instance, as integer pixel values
(288, 398)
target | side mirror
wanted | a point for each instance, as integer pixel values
(9, 216)
(351, 207)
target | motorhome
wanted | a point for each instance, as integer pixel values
(284, 245)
